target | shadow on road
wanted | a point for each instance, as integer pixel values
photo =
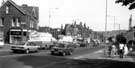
(55, 62)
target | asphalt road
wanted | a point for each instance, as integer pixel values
(43, 59)
(39, 60)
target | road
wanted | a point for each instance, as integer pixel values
(43, 59)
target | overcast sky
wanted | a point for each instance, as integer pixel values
(91, 12)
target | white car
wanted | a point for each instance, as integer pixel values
(26, 47)
(1, 43)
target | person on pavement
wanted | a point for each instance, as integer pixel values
(121, 50)
(125, 50)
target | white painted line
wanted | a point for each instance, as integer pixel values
(78, 57)
(83, 56)
(99, 51)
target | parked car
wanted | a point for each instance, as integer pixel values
(62, 49)
(27, 47)
(1, 43)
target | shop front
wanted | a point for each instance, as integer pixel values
(18, 36)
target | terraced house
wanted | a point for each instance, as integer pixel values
(17, 22)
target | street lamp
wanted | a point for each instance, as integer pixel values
(50, 15)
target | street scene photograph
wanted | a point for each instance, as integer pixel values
(67, 33)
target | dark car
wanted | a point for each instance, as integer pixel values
(62, 49)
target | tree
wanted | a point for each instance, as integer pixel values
(121, 39)
(130, 3)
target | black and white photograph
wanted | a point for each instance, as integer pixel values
(67, 33)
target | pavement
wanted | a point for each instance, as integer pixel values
(6, 47)
(100, 54)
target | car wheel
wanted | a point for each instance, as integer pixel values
(36, 50)
(70, 53)
(52, 53)
(63, 54)
(27, 51)
(13, 51)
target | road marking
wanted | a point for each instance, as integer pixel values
(79, 57)
(99, 51)
(83, 56)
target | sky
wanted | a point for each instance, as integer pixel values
(91, 12)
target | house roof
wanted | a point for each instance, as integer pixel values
(29, 10)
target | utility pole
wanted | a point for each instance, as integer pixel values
(50, 15)
(114, 22)
(106, 18)
(105, 21)
(119, 26)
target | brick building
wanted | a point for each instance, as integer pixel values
(17, 22)
(77, 30)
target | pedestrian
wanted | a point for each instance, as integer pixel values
(121, 50)
(114, 50)
(109, 50)
(125, 50)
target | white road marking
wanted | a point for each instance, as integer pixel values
(78, 57)
(84, 56)
(99, 51)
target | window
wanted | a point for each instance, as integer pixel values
(17, 22)
(13, 22)
(7, 9)
(31, 24)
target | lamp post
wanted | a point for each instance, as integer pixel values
(50, 15)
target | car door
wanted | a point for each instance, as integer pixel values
(31, 46)
(34, 46)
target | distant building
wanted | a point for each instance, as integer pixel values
(17, 22)
(54, 31)
(77, 30)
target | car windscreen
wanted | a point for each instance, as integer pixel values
(60, 45)
(19, 43)
(31, 43)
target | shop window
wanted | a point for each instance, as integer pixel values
(16, 33)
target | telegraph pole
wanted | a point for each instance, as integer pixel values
(50, 15)
(105, 21)
(106, 18)
(114, 22)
